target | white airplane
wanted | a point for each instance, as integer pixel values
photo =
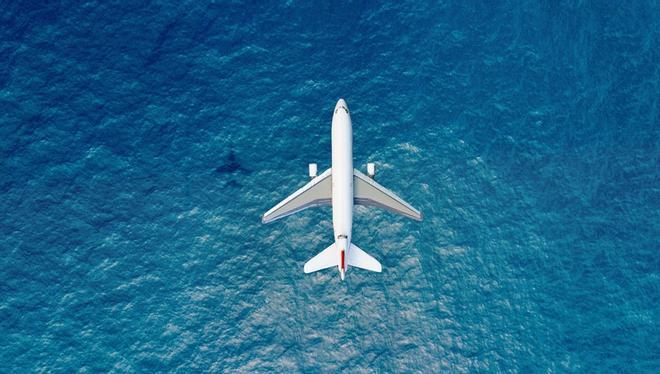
(342, 187)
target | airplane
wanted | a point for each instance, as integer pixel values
(342, 187)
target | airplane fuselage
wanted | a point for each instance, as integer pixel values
(342, 181)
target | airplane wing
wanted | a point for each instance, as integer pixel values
(315, 193)
(369, 193)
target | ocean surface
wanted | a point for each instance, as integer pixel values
(140, 143)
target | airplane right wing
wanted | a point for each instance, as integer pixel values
(315, 193)
(367, 192)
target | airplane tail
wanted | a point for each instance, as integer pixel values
(330, 257)
(361, 259)
(327, 258)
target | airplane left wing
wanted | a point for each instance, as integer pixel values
(315, 193)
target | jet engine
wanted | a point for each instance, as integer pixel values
(312, 170)
(371, 170)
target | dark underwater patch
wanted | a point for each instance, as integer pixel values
(231, 165)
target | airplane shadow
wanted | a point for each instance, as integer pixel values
(231, 165)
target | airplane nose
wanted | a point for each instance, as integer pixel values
(341, 104)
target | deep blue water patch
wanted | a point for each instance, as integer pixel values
(140, 144)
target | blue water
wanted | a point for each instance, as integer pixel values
(140, 145)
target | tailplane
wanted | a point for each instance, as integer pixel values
(361, 259)
(327, 258)
(330, 257)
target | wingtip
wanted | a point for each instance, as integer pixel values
(415, 217)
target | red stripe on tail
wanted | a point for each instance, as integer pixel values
(342, 259)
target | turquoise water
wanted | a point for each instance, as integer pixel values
(140, 145)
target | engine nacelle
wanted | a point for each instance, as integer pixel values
(371, 170)
(312, 170)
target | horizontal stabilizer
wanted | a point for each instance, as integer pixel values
(361, 259)
(328, 258)
(315, 193)
(368, 192)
